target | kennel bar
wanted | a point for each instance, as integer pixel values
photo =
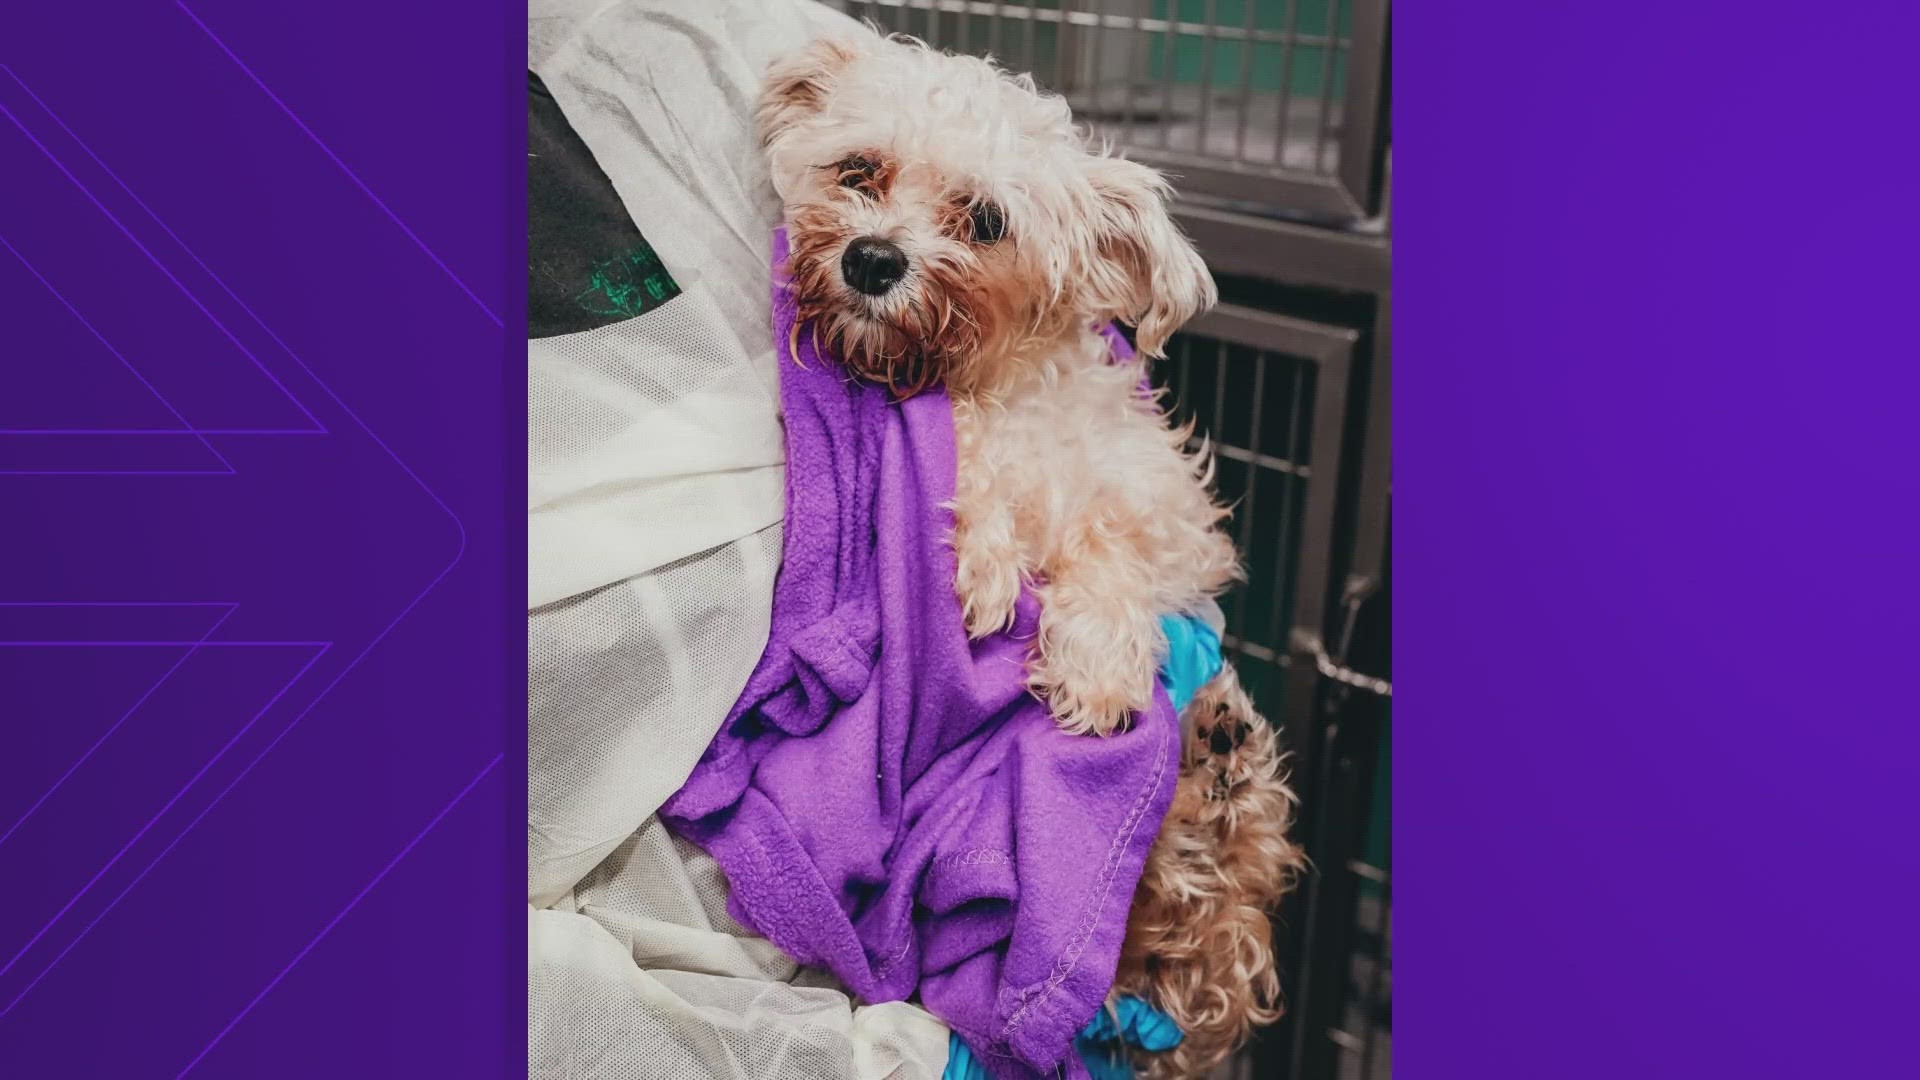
(1277, 104)
(1338, 925)
(1284, 530)
(1374, 493)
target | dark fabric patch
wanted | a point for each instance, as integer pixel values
(587, 264)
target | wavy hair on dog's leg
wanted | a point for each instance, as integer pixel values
(1199, 940)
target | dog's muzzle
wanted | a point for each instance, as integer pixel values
(873, 266)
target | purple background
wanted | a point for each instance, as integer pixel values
(1656, 455)
(291, 848)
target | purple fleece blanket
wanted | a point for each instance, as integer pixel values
(886, 798)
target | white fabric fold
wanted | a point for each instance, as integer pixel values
(656, 474)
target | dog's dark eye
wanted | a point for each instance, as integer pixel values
(989, 223)
(856, 171)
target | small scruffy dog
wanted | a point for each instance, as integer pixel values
(949, 225)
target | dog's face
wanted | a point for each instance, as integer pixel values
(947, 222)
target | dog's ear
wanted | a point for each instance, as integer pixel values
(798, 82)
(1149, 275)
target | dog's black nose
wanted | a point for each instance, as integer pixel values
(873, 265)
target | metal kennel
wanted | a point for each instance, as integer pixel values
(1273, 118)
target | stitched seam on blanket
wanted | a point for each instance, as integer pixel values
(973, 857)
(969, 857)
(1091, 918)
(938, 865)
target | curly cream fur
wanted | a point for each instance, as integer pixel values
(1069, 477)
(1085, 489)
(1199, 936)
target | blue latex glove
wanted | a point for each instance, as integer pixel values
(1136, 1024)
(1193, 657)
(961, 1064)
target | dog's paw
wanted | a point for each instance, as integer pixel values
(1219, 746)
(989, 588)
(1229, 741)
(1095, 666)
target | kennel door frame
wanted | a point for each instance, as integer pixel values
(1331, 350)
(1320, 921)
(1347, 194)
(1244, 245)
